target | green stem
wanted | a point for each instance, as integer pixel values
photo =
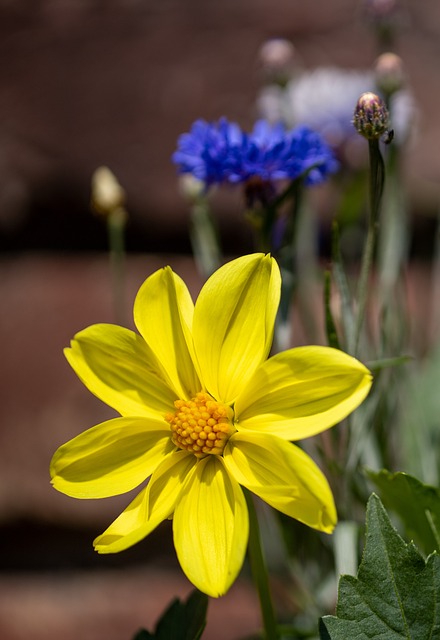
(204, 238)
(271, 212)
(259, 571)
(286, 256)
(433, 528)
(377, 176)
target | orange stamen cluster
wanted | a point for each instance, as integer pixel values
(201, 425)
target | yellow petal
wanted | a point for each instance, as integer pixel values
(167, 481)
(282, 475)
(233, 323)
(128, 528)
(211, 527)
(163, 312)
(151, 506)
(301, 392)
(116, 365)
(111, 458)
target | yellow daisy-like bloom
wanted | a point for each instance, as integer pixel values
(203, 413)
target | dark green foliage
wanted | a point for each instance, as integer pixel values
(396, 594)
(416, 504)
(181, 621)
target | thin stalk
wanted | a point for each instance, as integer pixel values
(271, 212)
(259, 571)
(377, 177)
(433, 528)
(287, 258)
(204, 238)
(347, 312)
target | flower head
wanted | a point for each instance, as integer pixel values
(277, 60)
(107, 194)
(371, 118)
(204, 412)
(276, 154)
(211, 152)
(221, 152)
(380, 10)
(389, 73)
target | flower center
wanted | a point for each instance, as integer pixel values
(201, 425)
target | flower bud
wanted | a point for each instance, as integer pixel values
(277, 60)
(107, 193)
(385, 17)
(380, 9)
(371, 117)
(191, 188)
(389, 73)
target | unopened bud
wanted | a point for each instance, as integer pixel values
(277, 59)
(389, 73)
(107, 193)
(380, 9)
(371, 117)
(191, 188)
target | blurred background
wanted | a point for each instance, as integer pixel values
(85, 83)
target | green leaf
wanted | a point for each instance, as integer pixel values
(419, 418)
(181, 620)
(330, 327)
(353, 196)
(416, 504)
(396, 594)
(341, 281)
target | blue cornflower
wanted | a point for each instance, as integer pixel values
(222, 152)
(276, 154)
(212, 152)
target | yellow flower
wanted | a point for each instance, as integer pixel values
(203, 413)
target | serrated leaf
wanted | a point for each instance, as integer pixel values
(395, 596)
(181, 620)
(416, 504)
